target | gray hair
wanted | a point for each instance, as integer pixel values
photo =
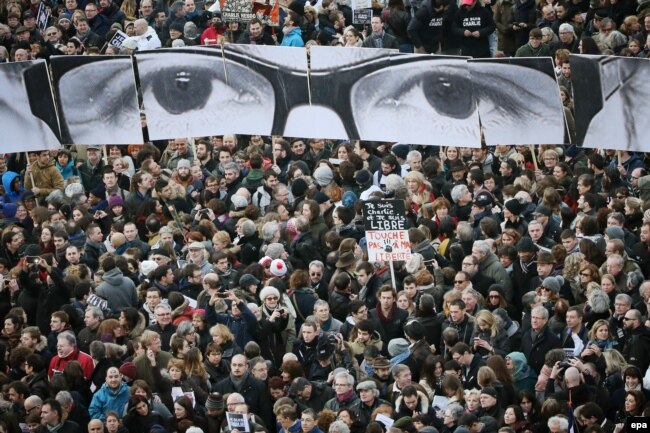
(455, 410)
(560, 421)
(339, 427)
(599, 301)
(96, 312)
(413, 155)
(231, 166)
(269, 230)
(184, 328)
(64, 398)
(320, 303)
(394, 181)
(248, 227)
(317, 263)
(482, 246)
(399, 369)
(623, 297)
(69, 336)
(347, 376)
(540, 310)
(165, 307)
(457, 192)
(464, 231)
(566, 27)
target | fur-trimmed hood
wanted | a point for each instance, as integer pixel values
(140, 326)
(423, 403)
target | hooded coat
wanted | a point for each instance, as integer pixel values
(524, 377)
(118, 290)
(10, 195)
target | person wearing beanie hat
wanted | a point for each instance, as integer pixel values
(512, 210)
(215, 404)
(490, 405)
(278, 268)
(323, 176)
(115, 200)
(299, 188)
(363, 178)
(269, 291)
(129, 371)
(552, 284)
(183, 163)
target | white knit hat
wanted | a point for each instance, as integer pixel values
(269, 291)
(278, 268)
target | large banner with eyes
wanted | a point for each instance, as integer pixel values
(328, 92)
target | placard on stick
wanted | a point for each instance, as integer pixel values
(386, 233)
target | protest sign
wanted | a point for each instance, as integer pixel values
(386, 232)
(118, 38)
(243, 11)
(237, 421)
(43, 17)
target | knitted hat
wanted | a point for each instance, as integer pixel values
(323, 175)
(349, 199)
(321, 197)
(115, 200)
(239, 202)
(553, 283)
(291, 228)
(363, 177)
(269, 291)
(400, 150)
(9, 210)
(74, 189)
(526, 245)
(490, 391)
(248, 280)
(299, 187)
(177, 25)
(397, 346)
(381, 362)
(514, 206)
(215, 401)
(542, 209)
(183, 163)
(265, 261)
(129, 370)
(615, 232)
(147, 267)
(278, 268)
(275, 250)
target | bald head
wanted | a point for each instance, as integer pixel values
(140, 26)
(95, 426)
(572, 377)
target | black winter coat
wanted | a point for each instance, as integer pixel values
(256, 395)
(536, 351)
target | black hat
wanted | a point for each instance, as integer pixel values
(484, 199)
(514, 206)
(177, 25)
(248, 280)
(324, 350)
(400, 150)
(414, 330)
(526, 245)
(28, 14)
(321, 197)
(29, 250)
(363, 177)
(299, 187)
(490, 391)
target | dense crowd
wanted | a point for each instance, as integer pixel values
(159, 288)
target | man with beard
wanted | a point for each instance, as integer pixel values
(204, 152)
(183, 175)
(256, 34)
(474, 24)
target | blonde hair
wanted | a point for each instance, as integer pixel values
(486, 377)
(484, 317)
(222, 331)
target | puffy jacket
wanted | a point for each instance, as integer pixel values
(7, 179)
(106, 400)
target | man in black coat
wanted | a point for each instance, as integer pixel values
(310, 395)
(637, 346)
(474, 24)
(387, 318)
(539, 339)
(255, 392)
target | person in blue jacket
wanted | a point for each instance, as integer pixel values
(292, 33)
(112, 396)
(13, 187)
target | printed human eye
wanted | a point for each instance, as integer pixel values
(192, 92)
(100, 98)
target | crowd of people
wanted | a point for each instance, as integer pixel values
(169, 286)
